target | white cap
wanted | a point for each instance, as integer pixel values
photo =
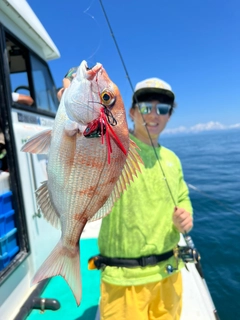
(153, 85)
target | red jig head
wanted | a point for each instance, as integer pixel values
(102, 126)
(95, 129)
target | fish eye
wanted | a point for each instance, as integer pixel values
(107, 98)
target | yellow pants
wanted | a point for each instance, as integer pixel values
(158, 300)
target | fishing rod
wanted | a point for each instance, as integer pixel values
(131, 85)
(189, 253)
(132, 88)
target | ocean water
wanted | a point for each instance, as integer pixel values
(211, 163)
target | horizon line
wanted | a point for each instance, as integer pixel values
(200, 127)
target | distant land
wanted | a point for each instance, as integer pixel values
(200, 127)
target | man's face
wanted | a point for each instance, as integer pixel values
(154, 122)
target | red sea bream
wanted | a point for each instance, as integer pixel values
(90, 161)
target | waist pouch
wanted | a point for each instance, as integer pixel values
(99, 261)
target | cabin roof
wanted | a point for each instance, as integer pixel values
(18, 17)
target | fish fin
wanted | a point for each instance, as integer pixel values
(45, 204)
(130, 170)
(39, 143)
(133, 159)
(65, 263)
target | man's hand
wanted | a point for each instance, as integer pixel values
(60, 93)
(182, 220)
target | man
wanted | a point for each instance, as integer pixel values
(140, 275)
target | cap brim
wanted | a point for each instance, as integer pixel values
(146, 91)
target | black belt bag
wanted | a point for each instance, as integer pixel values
(98, 262)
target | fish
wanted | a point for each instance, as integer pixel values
(91, 160)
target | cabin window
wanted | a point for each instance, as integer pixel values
(45, 91)
(30, 76)
(17, 63)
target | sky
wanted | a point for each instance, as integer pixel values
(192, 45)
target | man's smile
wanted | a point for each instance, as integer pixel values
(152, 124)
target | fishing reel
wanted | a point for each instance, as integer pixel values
(186, 254)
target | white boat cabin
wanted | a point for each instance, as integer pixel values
(25, 237)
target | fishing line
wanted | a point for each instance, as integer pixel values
(132, 88)
(212, 198)
(155, 152)
(111, 120)
(86, 11)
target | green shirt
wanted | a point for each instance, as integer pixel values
(140, 223)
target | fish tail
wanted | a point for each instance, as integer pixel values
(62, 262)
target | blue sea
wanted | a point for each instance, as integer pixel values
(211, 164)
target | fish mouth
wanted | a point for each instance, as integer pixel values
(92, 71)
(88, 68)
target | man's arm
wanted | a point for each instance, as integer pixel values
(25, 99)
(22, 98)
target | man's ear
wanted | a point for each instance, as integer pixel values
(131, 113)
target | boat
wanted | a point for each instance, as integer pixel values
(26, 239)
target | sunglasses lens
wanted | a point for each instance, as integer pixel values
(145, 108)
(163, 109)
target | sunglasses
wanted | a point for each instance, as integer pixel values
(161, 108)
